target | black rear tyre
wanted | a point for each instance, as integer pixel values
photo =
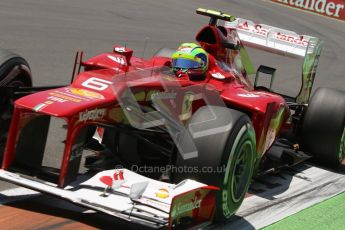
(225, 159)
(323, 130)
(14, 72)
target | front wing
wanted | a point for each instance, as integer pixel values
(133, 197)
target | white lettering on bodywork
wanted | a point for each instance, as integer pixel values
(91, 115)
(247, 95)
(119, 60)
(182, 208)
(325, 7)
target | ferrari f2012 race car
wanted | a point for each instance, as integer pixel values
(168, 150)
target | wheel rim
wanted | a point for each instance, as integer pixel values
(241, 171)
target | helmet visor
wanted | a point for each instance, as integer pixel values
(182, 63)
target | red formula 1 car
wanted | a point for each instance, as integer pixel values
(150, 147)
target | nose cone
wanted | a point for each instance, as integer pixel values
(63, 102)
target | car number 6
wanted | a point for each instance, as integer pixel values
(96, 84)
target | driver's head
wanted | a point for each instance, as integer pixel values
(189, 57)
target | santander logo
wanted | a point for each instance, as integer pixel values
(330, 8)
(114, 182)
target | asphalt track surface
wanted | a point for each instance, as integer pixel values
(47, 34)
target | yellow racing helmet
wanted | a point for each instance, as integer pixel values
(189, 56)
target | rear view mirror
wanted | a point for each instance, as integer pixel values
(267, 71)
(231, 46)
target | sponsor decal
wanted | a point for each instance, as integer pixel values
(86, 93)
(118, 175)
(56, 99)
(187, 207)
(163, 95)
(150, 94)
(114, 182)
(42, 105)
(329, 8)
(91, 114)
(218, 76)
(255, 28)
(247, 95)
(186, 49)
(266, 31)
(99, 134)
(162, 193)
(107, 180)
(120, 49)
(292, 39)
(66, 96)
(119, 60)
(39, 107)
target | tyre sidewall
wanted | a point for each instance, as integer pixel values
(15, 72)
(242, 133)
(20, 77)
(323, 127)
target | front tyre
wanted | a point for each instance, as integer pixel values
(238, 171)
(229, 152)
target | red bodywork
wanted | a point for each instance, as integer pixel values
(90, 99)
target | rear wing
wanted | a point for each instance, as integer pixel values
(283, 42)
(272, 39)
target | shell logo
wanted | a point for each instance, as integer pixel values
(162, 193)
(86, 93)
